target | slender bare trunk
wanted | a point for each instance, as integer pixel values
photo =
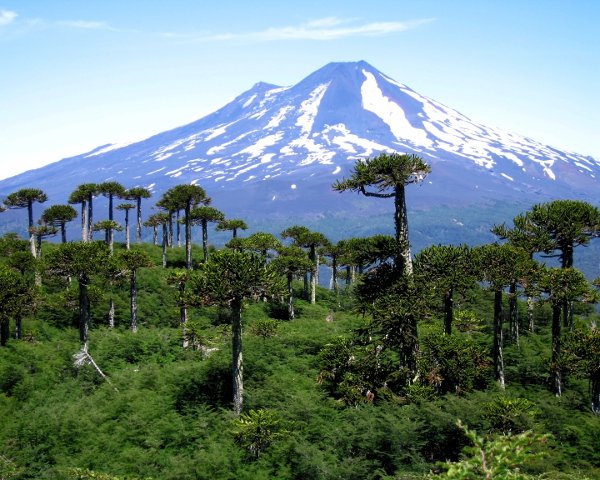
(556, 348)
(403, 256)
(84, 312)
(205, 239)
(165, 240)
(513, 313)
(237, 361)
(133, 299)
(291, 313)
(188, 237)
(497, 353)
(127, 237)
(111, 313)
(448, 311)
(138, 232)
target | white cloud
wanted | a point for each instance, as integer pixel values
(6, 17)
(84, 24)
(328, 28)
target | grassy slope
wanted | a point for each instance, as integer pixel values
(167, 413)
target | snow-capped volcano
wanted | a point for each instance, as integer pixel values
(277, 143)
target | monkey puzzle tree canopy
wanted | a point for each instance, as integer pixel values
(137, 193)
(385, 176)
(58, 216)
(227, 279)
(233, 224)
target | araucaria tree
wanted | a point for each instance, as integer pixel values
(202, 215)
(185, 197)
(290, 262)
(109, 227)
(84, 194)
(499, 266)
(81, 261)
(132, 261)
(569, 223)
(25, 198)
(58, 216)
(233, 224)
(562, 285)
(137, 193)
(227, 279)
(386, 176)
(111, 190)
(449, 270)
(303, 237)
(16, 298)
(125, 207)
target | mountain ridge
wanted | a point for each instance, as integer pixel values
(282, 147)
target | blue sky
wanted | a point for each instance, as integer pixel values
(78, 74)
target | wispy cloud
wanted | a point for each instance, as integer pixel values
(323, 29)
(6, 17)
(84, 24)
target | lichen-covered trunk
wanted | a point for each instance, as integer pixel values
(595, 391)
(90, 217)
(313, 274)
(334, 274)
(111, 240)
(403, 256)
(138, 230)
(165, 240)
(188, 237)
(205, 239)
(237, 365)
(291, 313)
(31, 234)
(497, 353)
(111, 313)
(513, 313)
(556, 348)
(84, 223)
(127, 238)
(530, 317)
(448, 311)
(178, 224)
(84, 311)
(154, 235)
(183, 315)
(18, 327)
(133, 299)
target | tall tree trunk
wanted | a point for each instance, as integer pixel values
(111, 240)
(4, 331)
(403, 256)
(183, 315)
(448, 311)
(595, 391)
(84, 312)
(165, 240)
(111, 313)
(530, 318)
(18, 327)
(90, 216)
(63, 232)
(306, 283)
(313, 274)
(138, 233)
(178, 225)
(234, 233)
(83, 221)
(410, 347)
(498, 355)
(110, 206)
(205, 239)
(567, 306)
(171, 230)
(291, 313)
(133, 298)
(237, 361)
(31, 234)
(127, 238)
(334, 274)
(556, 348)
(154, 235)
(188, 237)
(513, 313)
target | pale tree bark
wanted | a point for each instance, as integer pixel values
(111, 313)
(133, 299)
(237, 360)
(291, 313)
(497, 352)
(556, 348)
